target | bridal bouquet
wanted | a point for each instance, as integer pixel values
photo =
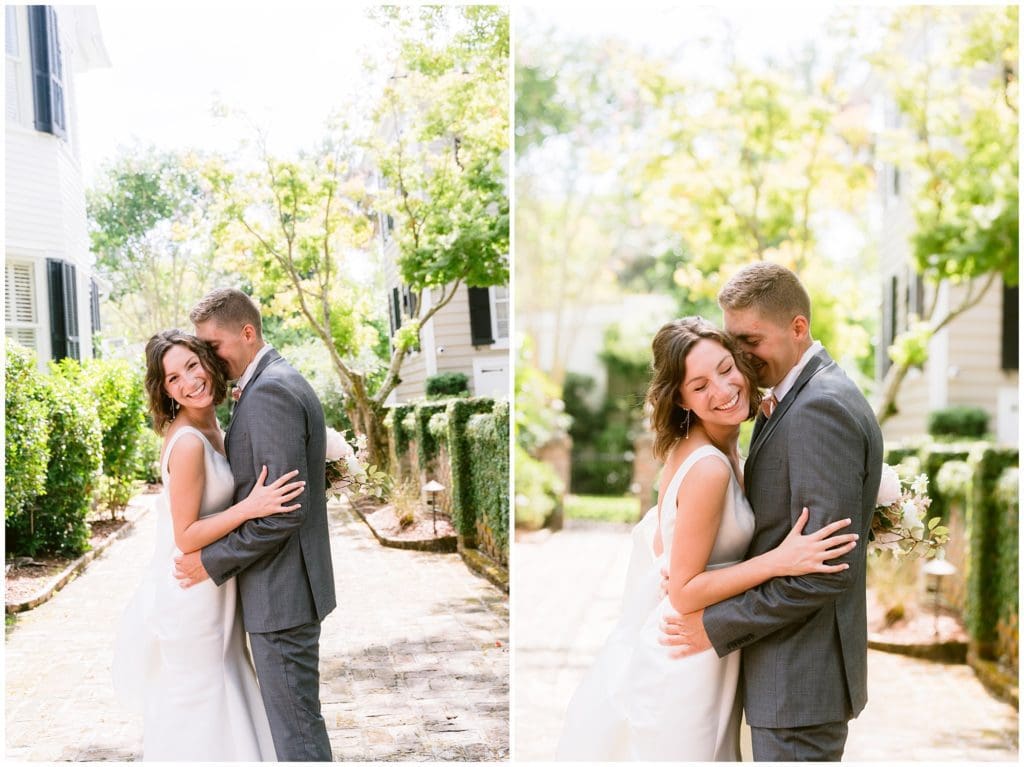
(347, 468)
(898, 526)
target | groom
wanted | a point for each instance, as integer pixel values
(815, 444)
(283, 562)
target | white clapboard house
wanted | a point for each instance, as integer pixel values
(51, 301)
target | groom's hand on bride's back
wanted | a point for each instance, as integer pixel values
(685, 633)
(189, 570)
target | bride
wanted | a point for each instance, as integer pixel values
(638, 702)
(181, 655)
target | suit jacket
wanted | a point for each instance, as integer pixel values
(804, 639)
(283, 562)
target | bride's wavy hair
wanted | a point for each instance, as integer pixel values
(161, 406)
(671, 344)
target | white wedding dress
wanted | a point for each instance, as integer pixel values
(637, 703)
(181, 656)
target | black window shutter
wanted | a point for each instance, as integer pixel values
(480, 316)
(58, 333)
(63, 289)
(47, 71)
(396, 310)
(74, 347)
(1011, 327)
(94, 307)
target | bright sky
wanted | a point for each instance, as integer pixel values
(288, 66)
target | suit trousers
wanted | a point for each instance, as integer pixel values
(288, 668)
(816, 743)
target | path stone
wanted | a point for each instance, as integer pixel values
(414, 660)
(567, 588)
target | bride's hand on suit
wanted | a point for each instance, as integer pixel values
(264, 500)
(800, 554)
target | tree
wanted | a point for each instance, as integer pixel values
(149, 230)
(952, 73)
(438, 139)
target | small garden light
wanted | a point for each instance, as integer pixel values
(937, 569)
(433, 487)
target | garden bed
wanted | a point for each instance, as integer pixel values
(420, 535)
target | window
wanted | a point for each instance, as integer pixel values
(499, 311)
(489, 315)
(20, 305)
(94, 307)
(64, 338)
(47, 71)
(890, 311)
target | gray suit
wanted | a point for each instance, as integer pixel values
(804, 639)
(283, 562)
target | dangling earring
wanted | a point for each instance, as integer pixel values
(685, 423)
(174, 408)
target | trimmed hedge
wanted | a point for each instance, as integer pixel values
(990, 592)
(1007, 631)
(958, 421)
(459, 412)
(452, 384)
(427, 444)
(487, 435)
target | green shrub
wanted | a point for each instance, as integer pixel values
(58, 518)
(402, 434)
(537, 491)
(26, 438)
(958, 421)
(149, 457)
(117, 389)
(452, 384)
(1007, 494)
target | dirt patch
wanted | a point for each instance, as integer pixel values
(917, 626)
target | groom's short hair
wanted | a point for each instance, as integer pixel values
(770, 288)
(228, 307)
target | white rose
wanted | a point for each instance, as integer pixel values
(336, 445)
(912, 520)
(889, 490)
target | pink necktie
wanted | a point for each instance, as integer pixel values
(768, 405)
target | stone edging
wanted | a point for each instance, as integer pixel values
(447, 544)
(485, 566)
(60, 580)
(942, 652)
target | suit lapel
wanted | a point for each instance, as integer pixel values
(266, 361)
(814, 365)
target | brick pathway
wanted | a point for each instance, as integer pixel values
(414, 660)
(567, 587)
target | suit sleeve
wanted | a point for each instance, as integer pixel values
(277, 439)
(827, 469)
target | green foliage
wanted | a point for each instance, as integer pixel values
(149, 457)
(602, 508)
(443, 165)
(538, 491)
(402, 435)
(426, 442)
(459, 412)
(309, 359)
(910, 348)
(150, 228)
(958, 421)
(540, 415)
(451, 384)
(75, 456)
(986, 585)
(1007, 495)
(117, 389)
(27, 432)
(487, 435)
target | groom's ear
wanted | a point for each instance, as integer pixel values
(801, 327)
(249, 332)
